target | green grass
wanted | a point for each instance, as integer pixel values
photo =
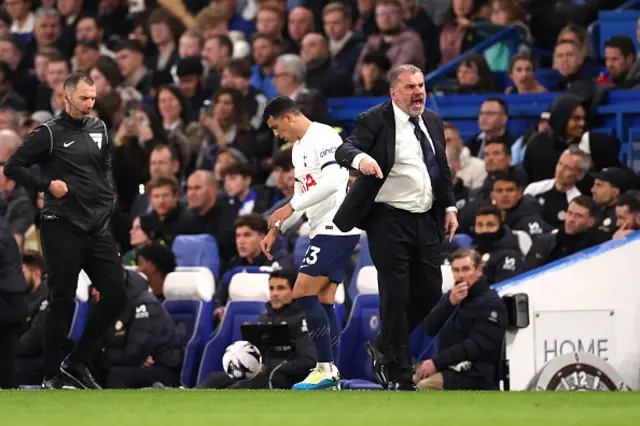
(267, 408)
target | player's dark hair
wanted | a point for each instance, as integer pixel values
(588, 203)
(490, 210)
(283, 160)
(509, 176)
(279, 106)
(253, 221)
(630, 199)
(160, 255)
(461, 253)
(33, 260)
(288, 274)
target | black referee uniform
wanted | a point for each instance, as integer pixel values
(75, 230)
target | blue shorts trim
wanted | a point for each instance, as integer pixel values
(329, 256)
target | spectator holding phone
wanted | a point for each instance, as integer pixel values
(471, 321)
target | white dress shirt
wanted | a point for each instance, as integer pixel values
(408, 185)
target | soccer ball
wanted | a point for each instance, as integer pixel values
(242, 360)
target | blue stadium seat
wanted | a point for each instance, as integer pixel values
(300, 249)
(189, 302)
(195, 319)
(614, 23)
(79, 319)
(461, 241)
(363, 325)
(236, 314)
(197, 250)
(364, 259)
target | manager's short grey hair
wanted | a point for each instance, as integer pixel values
(394, 74)
(585, 159)
(295, 65)
(44, 11)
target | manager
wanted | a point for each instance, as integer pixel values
(74, 158)
(404, 200)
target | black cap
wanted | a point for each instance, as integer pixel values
(189, 66)
(91, 44)
(615, 176)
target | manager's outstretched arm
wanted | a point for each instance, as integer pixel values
(358, 144)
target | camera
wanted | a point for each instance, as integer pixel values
(207, 106)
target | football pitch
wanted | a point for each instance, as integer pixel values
(267, 408)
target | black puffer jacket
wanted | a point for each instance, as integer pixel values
(501, 255)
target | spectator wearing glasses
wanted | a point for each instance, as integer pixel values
(492, 121)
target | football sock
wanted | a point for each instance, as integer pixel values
(319, 328)
(335, 331)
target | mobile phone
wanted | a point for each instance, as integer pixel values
(208, 108)
(130, 109)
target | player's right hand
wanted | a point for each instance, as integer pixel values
(58, 188)
(267, 243)
(369, 166)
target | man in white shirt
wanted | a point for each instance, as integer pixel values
(404, 200)
(320, 188)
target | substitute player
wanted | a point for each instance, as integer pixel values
(320, 187)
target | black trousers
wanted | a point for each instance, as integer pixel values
(13, 314)
(68, 249)
(405, 248)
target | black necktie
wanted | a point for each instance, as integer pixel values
(429, 155)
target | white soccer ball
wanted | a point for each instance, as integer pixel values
(242, 360)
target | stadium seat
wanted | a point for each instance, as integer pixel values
(524, 241)
(188, 297)
(367, 280)
(250, 284)
(364, 259)
(300, 249)
(236, 314)
(447, 277)
(197, 250)
(79, 319)
(363, 325)
(82, 290)
(339, 305)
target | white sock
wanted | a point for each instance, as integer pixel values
(325, 366)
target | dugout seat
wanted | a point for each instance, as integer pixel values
(250, 284)
(188, 299)
(300, 249)
(197, 250)
(236, 314)
(79, 319)
(339, 305)
(364, 259)
(363, 325)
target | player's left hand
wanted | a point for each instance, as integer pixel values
(450, 224)
(426, 369)
(280, 215)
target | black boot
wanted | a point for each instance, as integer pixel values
(79, 374)
(378, 367)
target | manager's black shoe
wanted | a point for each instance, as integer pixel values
(79, 375)
(57, 382)
(404, 386)
(378, 368)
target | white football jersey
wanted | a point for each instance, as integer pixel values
(310, 155)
